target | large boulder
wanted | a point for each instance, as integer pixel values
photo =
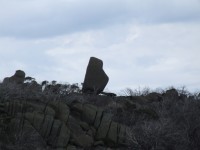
(17, 78)
(95, 77)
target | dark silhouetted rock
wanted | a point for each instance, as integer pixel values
(20, 74)
(95, 77)
(17, 78)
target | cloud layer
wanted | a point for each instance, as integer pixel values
(42, 18)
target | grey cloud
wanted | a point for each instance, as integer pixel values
(38, 19)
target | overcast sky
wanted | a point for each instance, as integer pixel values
(141, 42)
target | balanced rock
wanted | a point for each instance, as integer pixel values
(95, 77)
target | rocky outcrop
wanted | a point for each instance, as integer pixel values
(78, 124)
(95, 77)
(17, 78)
(66, 125)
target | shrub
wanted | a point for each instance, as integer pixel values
(177, 127)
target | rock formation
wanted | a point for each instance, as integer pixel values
(95, 77)
(58, 126)
(17, 78)
(60, 119)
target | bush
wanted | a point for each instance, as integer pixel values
(177, 127)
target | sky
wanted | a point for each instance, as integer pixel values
(142, 43)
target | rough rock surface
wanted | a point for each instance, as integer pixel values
(95, 77)
(59, 126)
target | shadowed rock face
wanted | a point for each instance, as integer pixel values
(95, 77)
